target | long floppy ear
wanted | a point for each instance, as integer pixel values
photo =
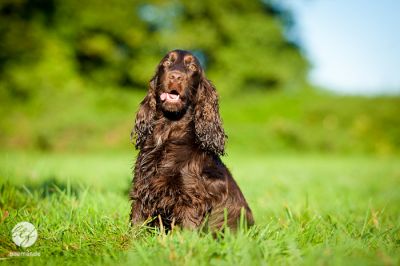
(208, 125)
(145, 115)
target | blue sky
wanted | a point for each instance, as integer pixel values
(353, 45)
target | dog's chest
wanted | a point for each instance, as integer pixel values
(170, 175)
(176, 180)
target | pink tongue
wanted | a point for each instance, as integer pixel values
(163, 96)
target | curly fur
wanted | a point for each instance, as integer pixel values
(178, 176)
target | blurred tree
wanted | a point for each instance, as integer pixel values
(51, 44)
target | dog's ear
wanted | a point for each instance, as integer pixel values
(207, 121)
(145, 115)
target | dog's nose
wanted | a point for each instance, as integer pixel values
(175, 76)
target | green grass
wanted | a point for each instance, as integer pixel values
(304, 120)
(309, 209)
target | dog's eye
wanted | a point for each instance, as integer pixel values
(193, 67)
(167, 63)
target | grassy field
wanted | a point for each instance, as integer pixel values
(309, 209)
(311, 121)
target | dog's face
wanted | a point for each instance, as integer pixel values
(179, 74)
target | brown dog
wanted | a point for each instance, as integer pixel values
(179, 178)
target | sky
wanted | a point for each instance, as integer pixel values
(353, 45)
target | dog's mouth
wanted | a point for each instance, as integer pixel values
(171, 97)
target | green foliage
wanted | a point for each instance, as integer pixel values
(312, 209)
(51, 45)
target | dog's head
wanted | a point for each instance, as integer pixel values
(179, 84)
(178, 77)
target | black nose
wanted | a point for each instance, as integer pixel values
(175, 76)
